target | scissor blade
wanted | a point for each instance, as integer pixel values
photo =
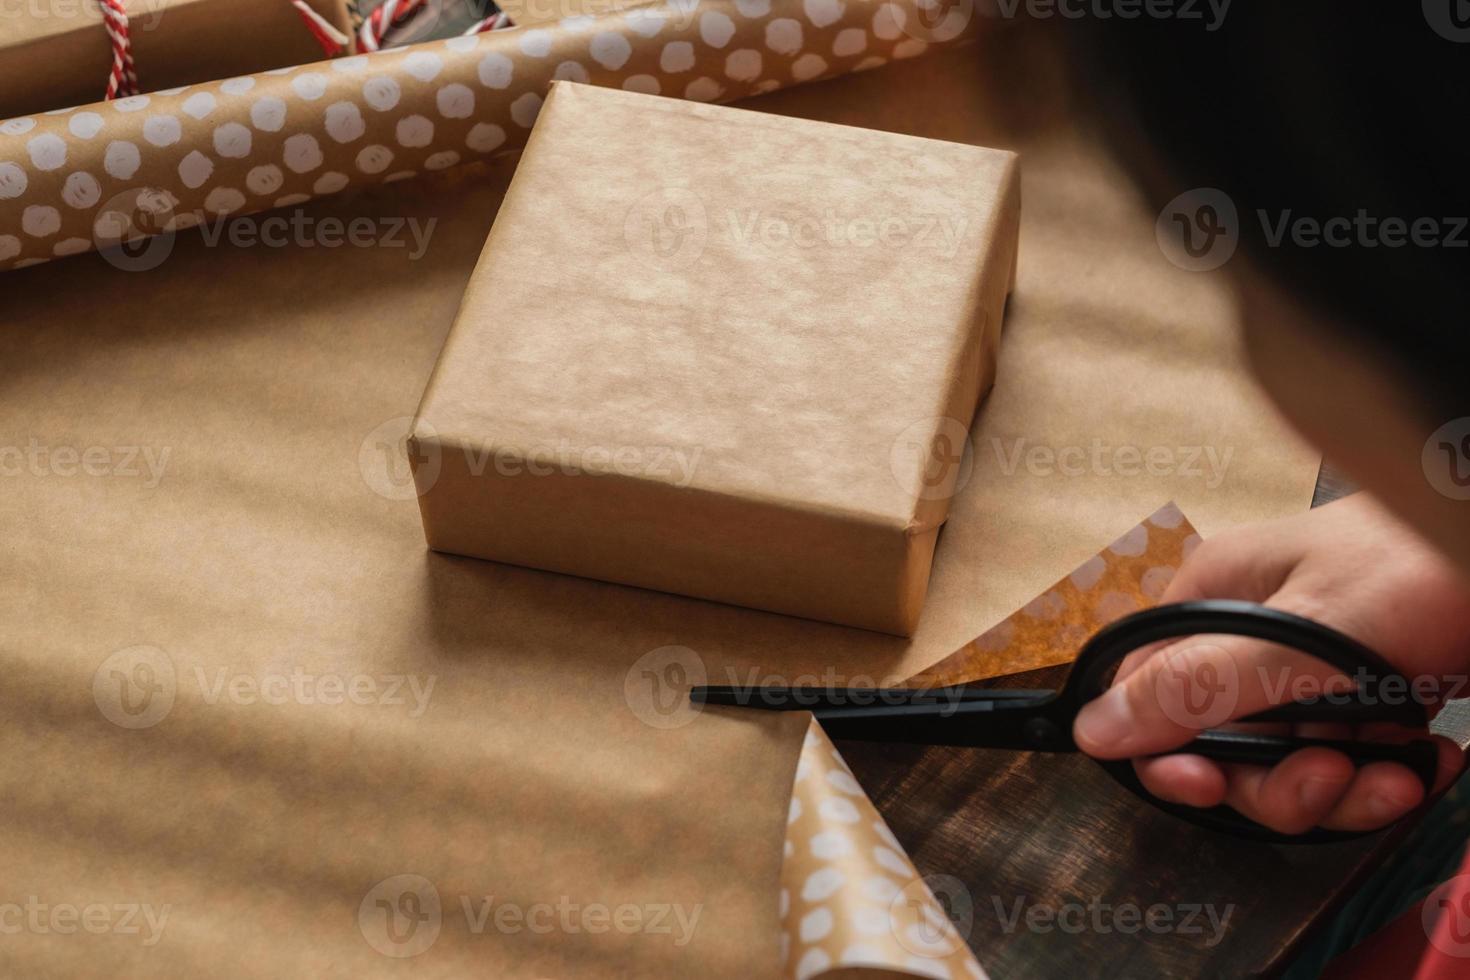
(968, 717)
(822, 699)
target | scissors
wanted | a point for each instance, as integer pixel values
(1041, 721)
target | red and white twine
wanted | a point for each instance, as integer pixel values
(122, 81)
(390, 14)
(333, 41)
(496, 21)
(393, 14)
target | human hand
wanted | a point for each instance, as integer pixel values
(1349, 565)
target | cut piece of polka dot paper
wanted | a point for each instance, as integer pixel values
(849, 895)
(245, 143)
(1128, 575)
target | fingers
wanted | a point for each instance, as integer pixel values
(1313, 787)
(1197, 683)
(1297, 793)
(1191, 780)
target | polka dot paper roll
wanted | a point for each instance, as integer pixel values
(850, 897)
(1128, 575)
(115, 172)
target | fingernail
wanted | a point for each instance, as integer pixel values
(1107, 724)
(1320, 795)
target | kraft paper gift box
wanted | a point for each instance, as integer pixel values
(56, 53)
(724, 354)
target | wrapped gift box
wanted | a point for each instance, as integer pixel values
(722, 353)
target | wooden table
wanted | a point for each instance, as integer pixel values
(1052, 836)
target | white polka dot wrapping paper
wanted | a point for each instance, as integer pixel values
(110, 173)
(850, 897)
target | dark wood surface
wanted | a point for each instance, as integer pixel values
(1001, 833)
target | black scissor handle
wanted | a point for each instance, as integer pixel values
(1100, 656)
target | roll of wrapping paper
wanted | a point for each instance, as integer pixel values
(112, 174)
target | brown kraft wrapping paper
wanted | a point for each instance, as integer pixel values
(276, 375)
(56, 53)
(111, 173)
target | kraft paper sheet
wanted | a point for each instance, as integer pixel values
(552, 762)
(105, 174)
